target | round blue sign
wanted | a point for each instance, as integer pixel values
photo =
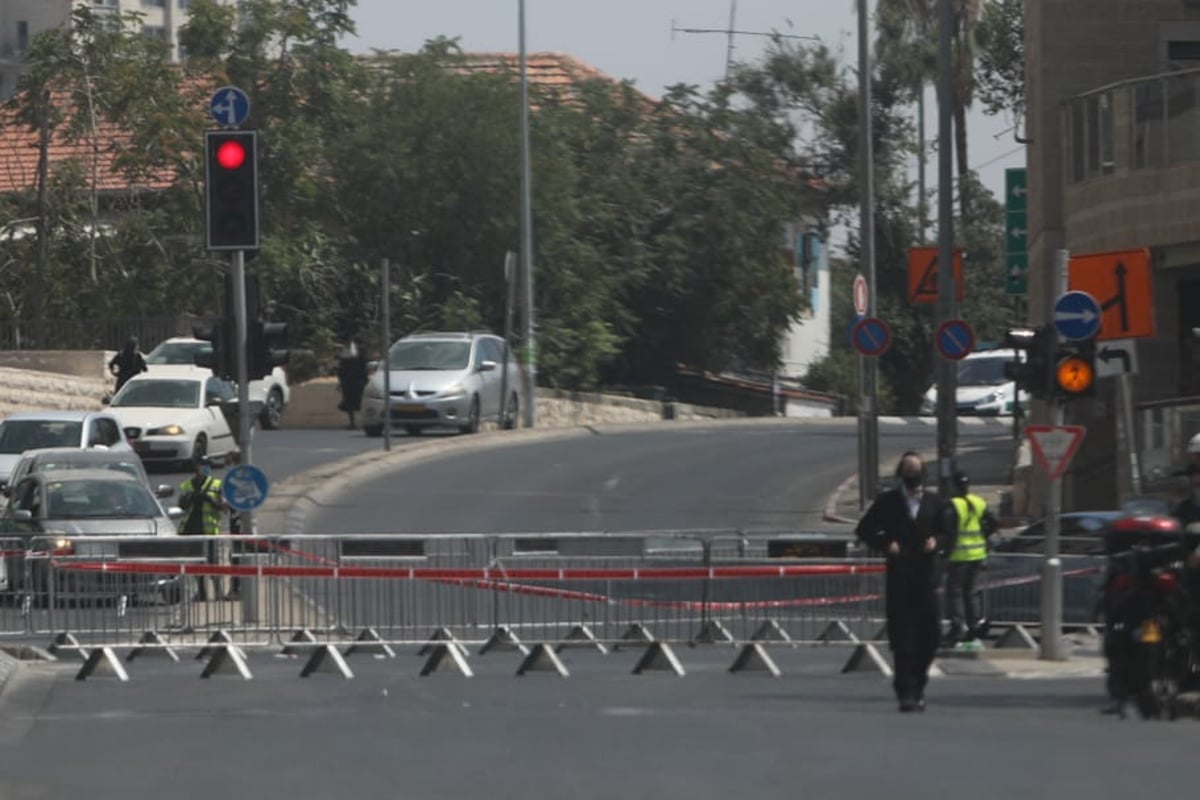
(954, 339)
(871, 336)
(229, 106)
(245, 487)
(1077, 316)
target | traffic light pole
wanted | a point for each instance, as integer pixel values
(242, 354)
(868, 420)
(947, 371)
(1052, 589)
(385, 345)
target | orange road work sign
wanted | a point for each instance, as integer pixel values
(923, 274)
(1121, 283)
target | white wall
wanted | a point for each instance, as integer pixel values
(807, 341)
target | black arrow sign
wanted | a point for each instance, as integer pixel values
(1119, 299)
(1108, 354)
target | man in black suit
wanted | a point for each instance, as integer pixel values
(911, 527)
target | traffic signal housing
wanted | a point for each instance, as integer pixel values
(1031, 369)
(268, 347)
(231, 189)
(1075, 370)
(221, 334)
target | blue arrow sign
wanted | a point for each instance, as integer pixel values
(229, 106)
(245, 487)
(871, 336)
(1077, 316)
(954, 339)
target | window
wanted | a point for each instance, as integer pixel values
(1148, 106)
(154, 32)
(153, 3)
(22, 35)
(105, 432)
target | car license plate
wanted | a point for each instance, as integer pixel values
(408, 407)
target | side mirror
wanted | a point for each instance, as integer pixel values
(212, 400)
(487, 366)
(106, 399)
(175, 513)
(164, 490)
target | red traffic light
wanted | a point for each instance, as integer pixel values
(231, 154)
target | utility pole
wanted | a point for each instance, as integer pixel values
(947, 410)
(868, 421)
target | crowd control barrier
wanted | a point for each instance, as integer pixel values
(673, 586)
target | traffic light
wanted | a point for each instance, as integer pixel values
(231, 189)
(268, 347)
(1075, 369)
(1031, 371)
(221, 335)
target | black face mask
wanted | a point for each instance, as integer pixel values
(911, 482)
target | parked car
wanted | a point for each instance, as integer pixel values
(982, 387)
(179, 354)
(445, 380)
(59, 458)
(31, 430)
(1080, 533)
(53, 511)
(176, 419)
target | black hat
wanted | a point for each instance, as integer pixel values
(961, 480)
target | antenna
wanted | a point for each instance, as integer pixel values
(732, 31)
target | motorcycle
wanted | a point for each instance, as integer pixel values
(1150, 632)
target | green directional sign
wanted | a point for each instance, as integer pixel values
(1016, 231)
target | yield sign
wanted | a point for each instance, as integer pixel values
(1054, 446)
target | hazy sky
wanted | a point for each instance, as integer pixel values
(633, 39)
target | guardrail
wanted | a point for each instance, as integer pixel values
(679, 587)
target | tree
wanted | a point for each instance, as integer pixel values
(1001, 48)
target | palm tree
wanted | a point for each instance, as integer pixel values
(908, 44)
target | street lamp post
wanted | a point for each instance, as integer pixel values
(530, 376)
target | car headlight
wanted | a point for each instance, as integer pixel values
(454, 389)
(991, 397)
(166, 430)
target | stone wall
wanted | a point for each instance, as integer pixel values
(28, 390)
(314, 405)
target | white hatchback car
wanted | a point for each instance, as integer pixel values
(177, 418)
(31, 430)
(445, 380)
(178, 354)
(982, 387)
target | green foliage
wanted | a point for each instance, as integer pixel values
(1001, 69)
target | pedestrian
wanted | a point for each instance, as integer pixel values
(127, 363)
(202, 504)
(352, 378)
(910, 527)
(976, 525)
(236, 528)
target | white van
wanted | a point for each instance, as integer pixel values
(982, 387)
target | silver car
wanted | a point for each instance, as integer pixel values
(453, 380)
(55, 512)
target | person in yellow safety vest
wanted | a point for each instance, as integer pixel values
(202, 504)
(976, 524)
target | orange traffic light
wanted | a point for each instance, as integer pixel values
(1075, 375)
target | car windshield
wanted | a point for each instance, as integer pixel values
(19, 435)
(91, 499)
(177, 352)
(982, 372)
(126, 466)
(164, 393)
(419, 354)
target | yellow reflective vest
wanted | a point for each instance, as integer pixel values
(208, 495)
(971, 544)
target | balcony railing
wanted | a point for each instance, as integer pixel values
(1141, 123)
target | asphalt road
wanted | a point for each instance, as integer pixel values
(772, 476)
(600, 733)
